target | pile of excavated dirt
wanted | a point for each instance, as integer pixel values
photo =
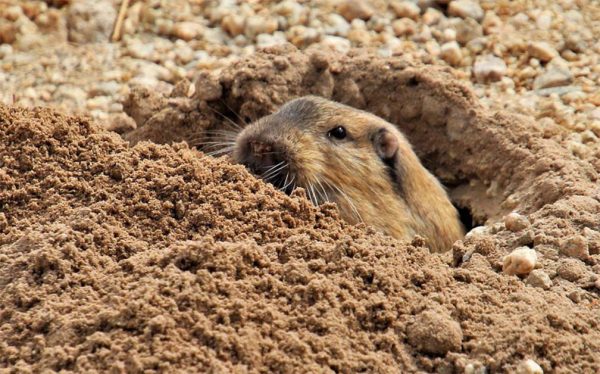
(156, 257)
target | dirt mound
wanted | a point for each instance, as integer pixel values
(156, 257)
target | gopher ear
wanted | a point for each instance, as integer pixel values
(386, 144)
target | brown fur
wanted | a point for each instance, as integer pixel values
(414, 203)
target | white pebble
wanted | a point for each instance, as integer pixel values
(521, 261)
(489, 68)
(5, 50)
(187, 30)
(451, 53)
(339, 44)
(542, 51)
(336, 25)
(406, 9)
(553, 77)
(515, 222)
(90, 20)
(449, 35)
(432, 16)
(529, 367)
(260, 25)
(355, 9)
(476, 231)
(465, 9)
(475, 368)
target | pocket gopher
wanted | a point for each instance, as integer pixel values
(353, 158)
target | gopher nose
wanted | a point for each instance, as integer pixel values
(263, 154)
(259, 148)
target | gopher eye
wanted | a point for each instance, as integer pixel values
(338, 132)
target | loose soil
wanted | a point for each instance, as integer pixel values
(132, 256)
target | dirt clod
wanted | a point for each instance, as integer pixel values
(576, 246)
(571, 269)
(539, 278)
(436, 333)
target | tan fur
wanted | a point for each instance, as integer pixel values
(355, 168)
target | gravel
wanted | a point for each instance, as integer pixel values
(538, 58)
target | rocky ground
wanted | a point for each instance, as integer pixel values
(540, 57)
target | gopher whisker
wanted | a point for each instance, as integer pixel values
(221, 151)
(272, 170)
(234, 112)
(227, 119)
(323, 189)
(273, 173)
(348, 200)
(284, 188)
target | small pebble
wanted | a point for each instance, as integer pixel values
(140, 50)
(109, 88)
(187, 30)
(478, 231)
(516, 222)
(336, 25)
(355, 9)
(575, 42)
(256, 25)
(432, 16)
(404, 27)
(208, 87)
(302, 36)
(489, 68)
(451, 53)
(90, 21)
(491, 23)
(554, 77)
(575, 246)
(468, 30)
(542, 51)
(339, 44)
(465, 9)
(268, 40)
(449, 35)
(529, 367)
(539, 278)
(475, 368)
(521, 261)
(593, 239)
(99, 102)
(5, 50)
(406, 9)
(544, 20)
(233, 24)
(575, 296)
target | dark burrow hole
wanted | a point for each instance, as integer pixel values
(466, 217)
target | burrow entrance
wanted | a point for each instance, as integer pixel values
(491, 163)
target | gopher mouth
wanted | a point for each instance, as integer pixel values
(278, 174)
(269, 160)
(284, 181)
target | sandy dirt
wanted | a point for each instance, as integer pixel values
(153, 257)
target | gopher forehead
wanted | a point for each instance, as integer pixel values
(300, 112)
(312, 112)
